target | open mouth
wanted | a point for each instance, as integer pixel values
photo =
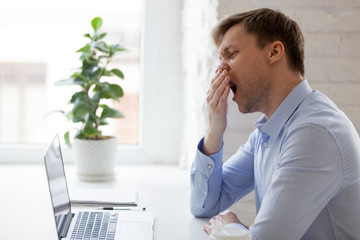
(233, 88)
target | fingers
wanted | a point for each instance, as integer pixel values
(223, 98)
(219, 89)
(223, 66)
(217, 74)
(230, 217)
(217, 100)
(214, 223)
(207, 228)
(217, 79)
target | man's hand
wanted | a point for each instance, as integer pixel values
(220, 220)
(217, 108)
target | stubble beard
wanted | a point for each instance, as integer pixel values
(257, 96)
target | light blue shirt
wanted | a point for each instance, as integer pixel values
(304, 165)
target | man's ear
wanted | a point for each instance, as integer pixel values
(276, 52)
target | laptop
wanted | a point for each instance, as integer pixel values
(89, 223)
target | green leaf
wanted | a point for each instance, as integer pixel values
(69, 115)
(103, 122)
(79, 96)
(80, 79)
(96, 23)
(75, 79)
(110, 112)
(86, 49)
(91, 118)
(92, 73)
(96, 73)
(117, 48)
(110, 91)
(77, 119)
(89, 130)
(117, 91)
(79, 134)
(80, 109)
(87, 35)
(69, 81)
(88, 65)
(55, 111)
(114, 49)
(102, 47)
(67, 139)
(108, 73)
(118, 73)
(101, 36)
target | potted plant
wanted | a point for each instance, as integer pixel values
(94, 153)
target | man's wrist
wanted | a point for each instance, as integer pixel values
(212, 143)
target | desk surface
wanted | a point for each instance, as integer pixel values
(162, 189)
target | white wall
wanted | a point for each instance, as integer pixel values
(162, 82)
(199, 60)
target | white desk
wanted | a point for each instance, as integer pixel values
(162, 189)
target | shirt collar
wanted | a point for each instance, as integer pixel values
(273, 126)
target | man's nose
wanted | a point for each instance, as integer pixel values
(223, 66)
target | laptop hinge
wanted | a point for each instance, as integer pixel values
(66, 224)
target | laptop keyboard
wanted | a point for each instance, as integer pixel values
(95, 225)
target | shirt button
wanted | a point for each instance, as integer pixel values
(204, 192)
(209, 166)
(265, 144)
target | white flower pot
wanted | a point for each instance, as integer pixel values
(95, 159)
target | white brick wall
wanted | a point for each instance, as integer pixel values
(332, 62)
(332, 52)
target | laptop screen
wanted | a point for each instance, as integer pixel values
(57, 183)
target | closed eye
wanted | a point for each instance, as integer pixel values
(232, 54)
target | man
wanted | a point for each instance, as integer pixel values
(303, 158)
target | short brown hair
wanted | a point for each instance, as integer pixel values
(268, 26)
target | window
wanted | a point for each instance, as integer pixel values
(41, 40)
(39, 49)
(22, 86)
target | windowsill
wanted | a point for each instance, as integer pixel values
(34, 154)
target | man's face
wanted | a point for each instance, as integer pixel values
(247, 66)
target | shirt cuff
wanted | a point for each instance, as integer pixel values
(206, 164)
